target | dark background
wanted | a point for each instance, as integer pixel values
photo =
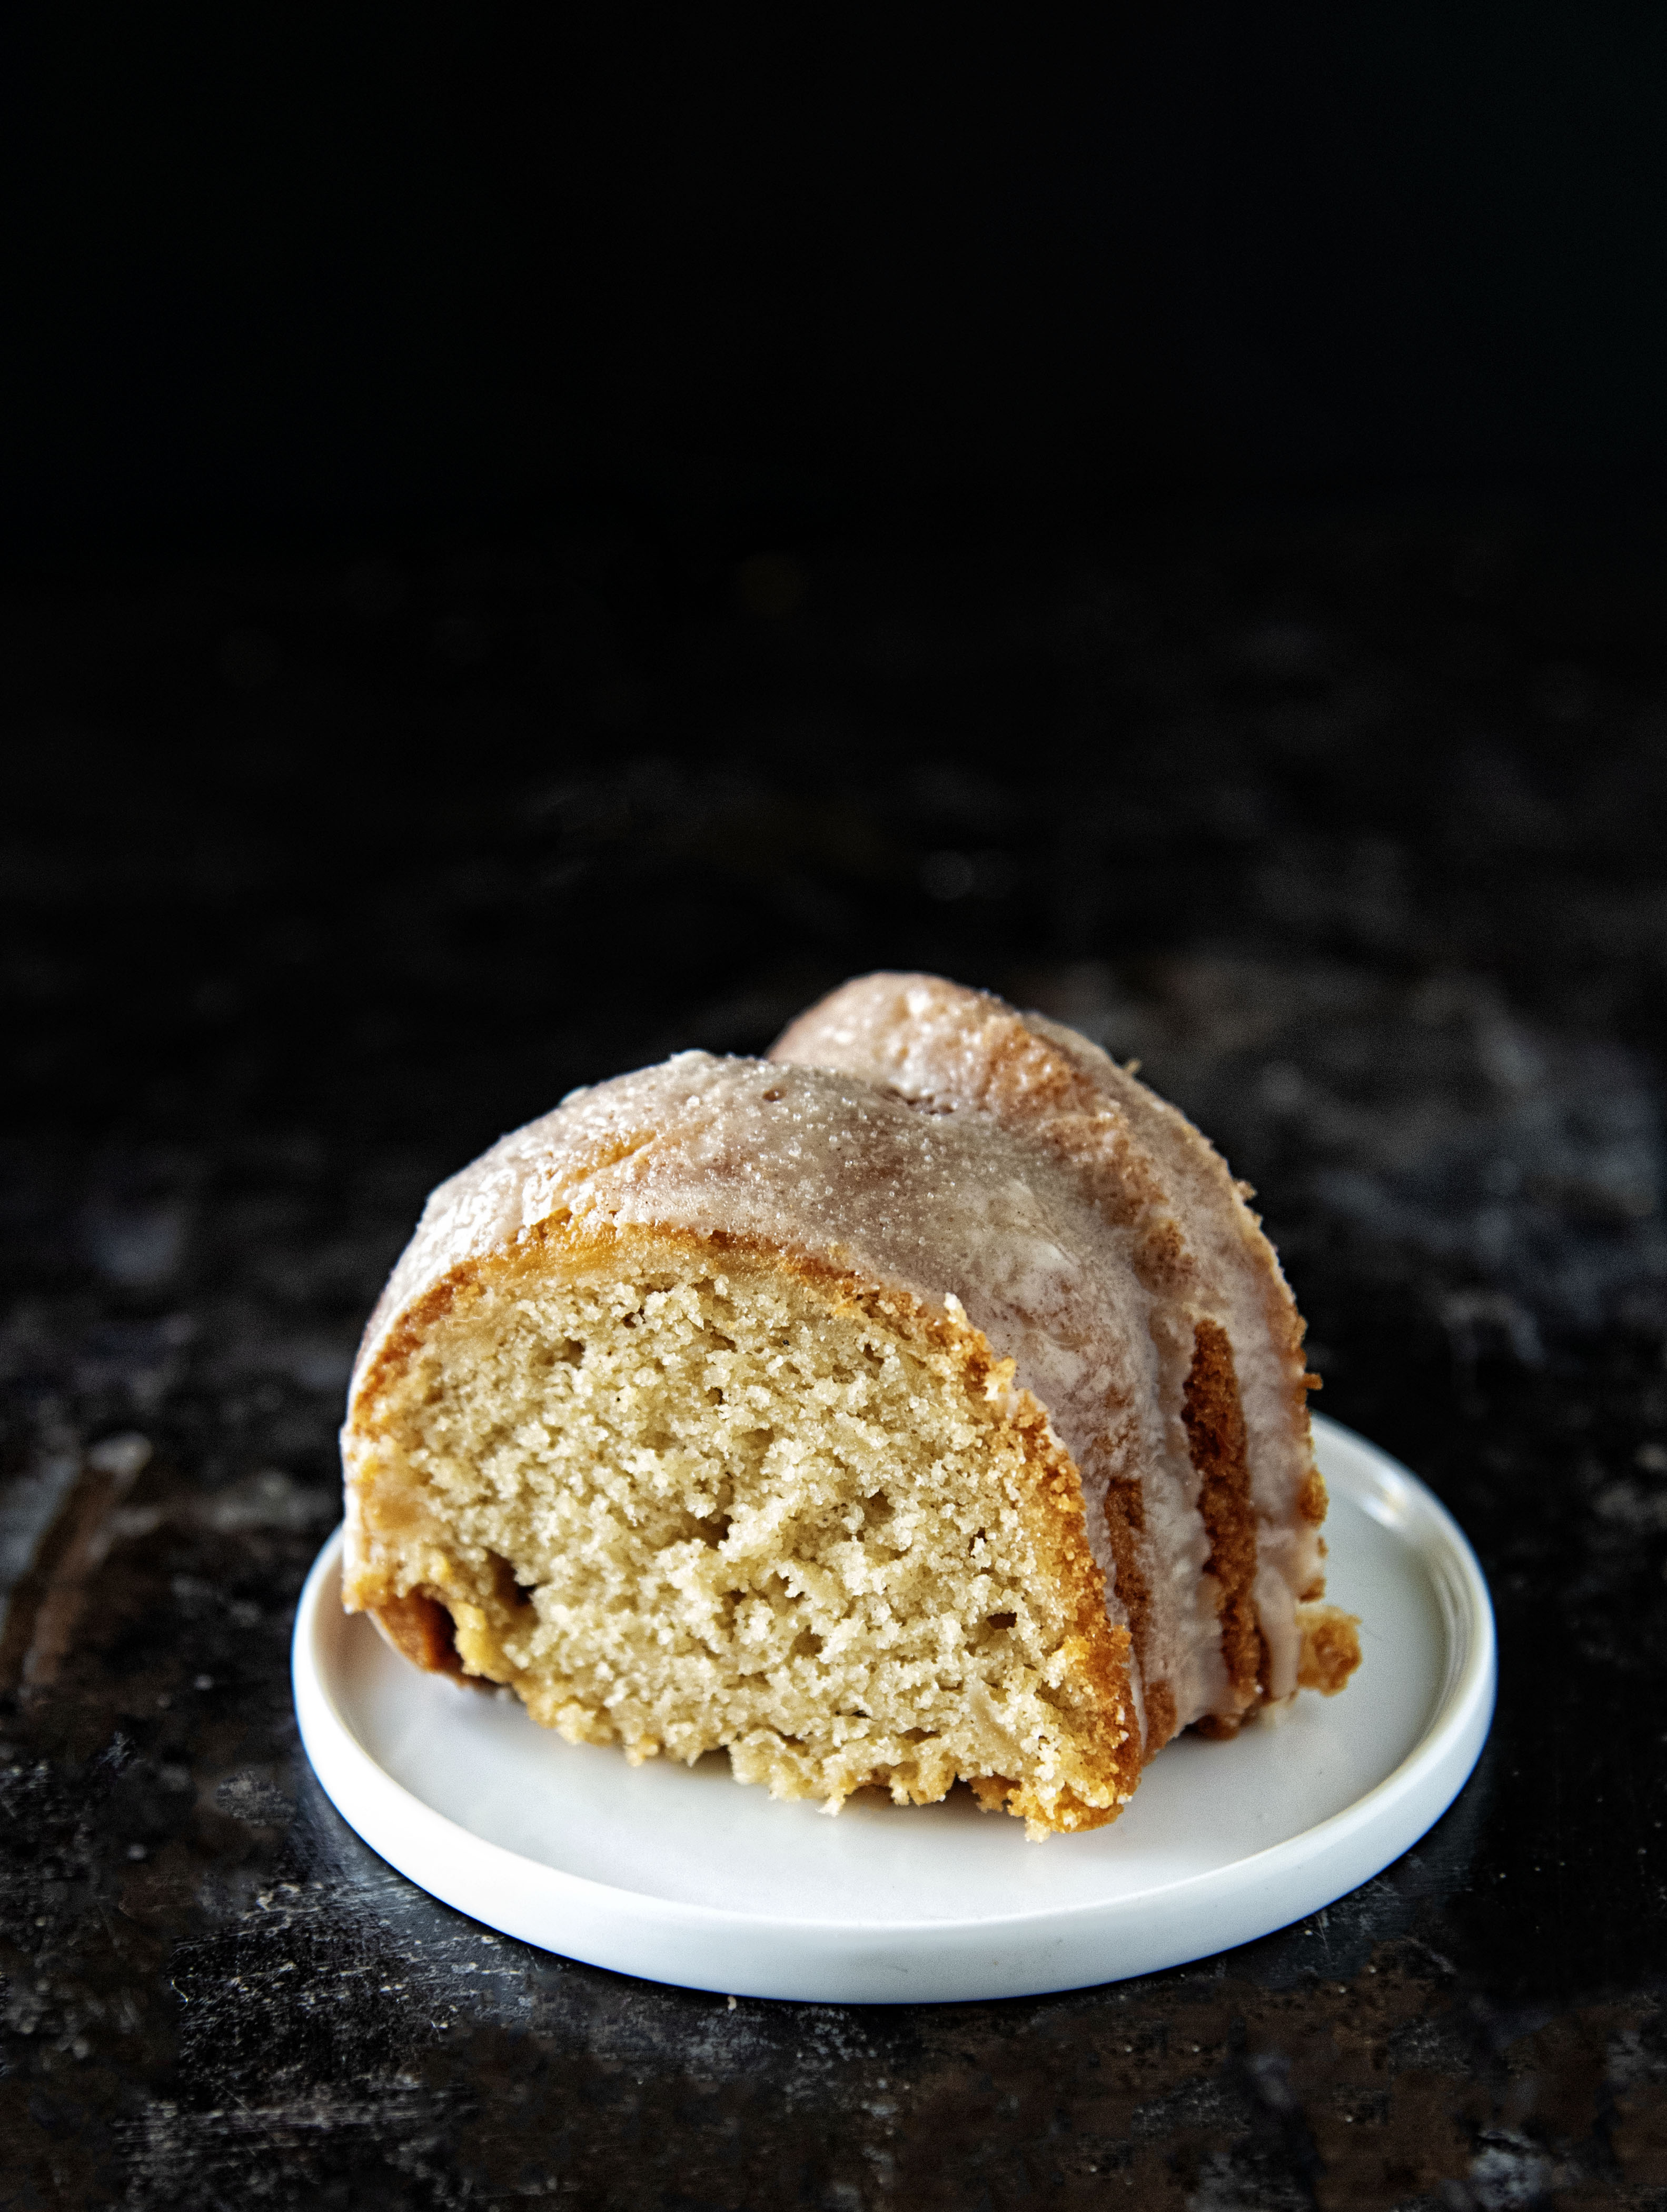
(524, 554)
(272, 273)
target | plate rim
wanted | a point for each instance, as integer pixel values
(1436, 1768)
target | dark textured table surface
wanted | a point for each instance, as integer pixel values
(318, 875)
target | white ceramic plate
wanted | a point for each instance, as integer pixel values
(679, 1874)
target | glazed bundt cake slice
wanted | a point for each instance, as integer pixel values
(922, 1404)
(1232, 1455)
(743, 1405)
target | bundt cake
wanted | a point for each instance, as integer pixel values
(893, 1411)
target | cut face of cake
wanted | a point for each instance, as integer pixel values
(844, 1425)
(673, 1419)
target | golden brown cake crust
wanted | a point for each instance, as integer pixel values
(420, 1628)
(1215, 1427)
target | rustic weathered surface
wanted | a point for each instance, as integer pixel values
(1359, 844)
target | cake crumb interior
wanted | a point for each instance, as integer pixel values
(706, 1507)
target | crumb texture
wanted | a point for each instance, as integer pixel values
(682, 1509)
(1330, 1648)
